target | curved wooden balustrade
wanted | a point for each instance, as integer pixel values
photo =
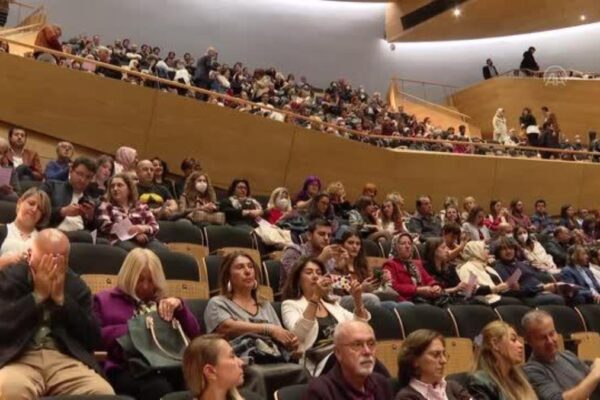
(346, 131)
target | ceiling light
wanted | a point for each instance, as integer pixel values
(582, 17)
(456, 12)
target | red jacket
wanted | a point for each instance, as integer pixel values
(402, 281)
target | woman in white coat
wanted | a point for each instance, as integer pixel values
(311, 315)
(500, 127)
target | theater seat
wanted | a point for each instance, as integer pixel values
(222, 236)
(372, 249)
(512, 315)
(98, 265)
(212, 264)
(271, 274)
(570, 325)
(469, 320)
(183, 276)
(294, 392)
(386, 325)
(425, 316)
(8, 211)
(183, 237)
(197, 307)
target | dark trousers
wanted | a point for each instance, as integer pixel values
(152, 386)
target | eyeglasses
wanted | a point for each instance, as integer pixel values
(438, 354)
(359, 345)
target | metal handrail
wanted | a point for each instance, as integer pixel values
(425, 82)
(349, 132)
(446, 109)
(12, 31)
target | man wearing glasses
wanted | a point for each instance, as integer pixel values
(352, 377)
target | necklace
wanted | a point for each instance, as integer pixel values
(245, 308)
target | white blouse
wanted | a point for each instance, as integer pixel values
(15, 242)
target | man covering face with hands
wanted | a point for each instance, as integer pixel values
(47, 327)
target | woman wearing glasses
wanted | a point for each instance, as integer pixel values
(421, 366)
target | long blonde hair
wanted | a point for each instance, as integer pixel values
(276, 195)
(132, 267)
(515, 385)
(201, 351)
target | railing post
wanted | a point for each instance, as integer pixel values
(424, 90)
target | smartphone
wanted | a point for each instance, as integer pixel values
(378, 274)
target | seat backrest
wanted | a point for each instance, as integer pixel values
(469, 320)
(591, 316)
(197, 307)
(183, 275)
(219, 236)
(425, 316)
(386, 325)
(512, 315)
(294, 392)
(372, 249)
(86, 258)
(8, 211)
(461, 356)
(566, 320)
(254, 254)
(271, 275)
(375, 262)
(212, 264)
(179, 232)
(386, 247)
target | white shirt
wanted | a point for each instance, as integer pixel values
(428, 391)
(17, 161)
(15, 242)
(70, 224)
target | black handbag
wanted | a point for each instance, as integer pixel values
(260, 349)
(153, 344)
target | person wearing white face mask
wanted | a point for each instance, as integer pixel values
(279, 206)
(534, 252)
(199, 200)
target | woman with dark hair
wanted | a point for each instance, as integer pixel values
(311, 314)
(568, 218)
(440, 263)
(534, 252)
(239, 310)
(122, 203)
(518, 216)
(161, 170)
(364, 219)
(240, 209)
(199, 200)
(105, 169)
(310, 188)
(498, 375)
(391, 220)
(353, 263)
(498, 215)
(588, 235)
(421, 366)
(530, 127)
(320, 208)
(474, 227)
(532, 290)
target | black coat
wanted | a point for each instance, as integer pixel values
(74, 325)
(529, 62)
(489, 72)
(61, 194)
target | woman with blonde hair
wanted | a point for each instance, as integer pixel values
(141, 287)
(199, 200)
(33, 213)
(498, 375)
(211, 369)
(279, 205)
(337, 197)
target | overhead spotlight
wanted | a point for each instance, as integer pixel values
(456, 12)
(582, 17)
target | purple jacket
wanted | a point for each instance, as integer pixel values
(114, 308)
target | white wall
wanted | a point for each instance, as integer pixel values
(319, 39)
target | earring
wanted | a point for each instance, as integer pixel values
(255, 284)
(229, 286)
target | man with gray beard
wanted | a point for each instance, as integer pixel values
(352, 377)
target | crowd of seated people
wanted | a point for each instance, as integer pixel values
(506, 256)
(340, 104)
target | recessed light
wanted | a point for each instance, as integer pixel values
(456, 12)
(582, 17)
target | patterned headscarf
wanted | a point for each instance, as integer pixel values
(125, 156)
(410, 266)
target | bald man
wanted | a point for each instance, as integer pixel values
(353, 375)
(47, 326)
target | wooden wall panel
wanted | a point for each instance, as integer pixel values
(227, 143)
(75, 106)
